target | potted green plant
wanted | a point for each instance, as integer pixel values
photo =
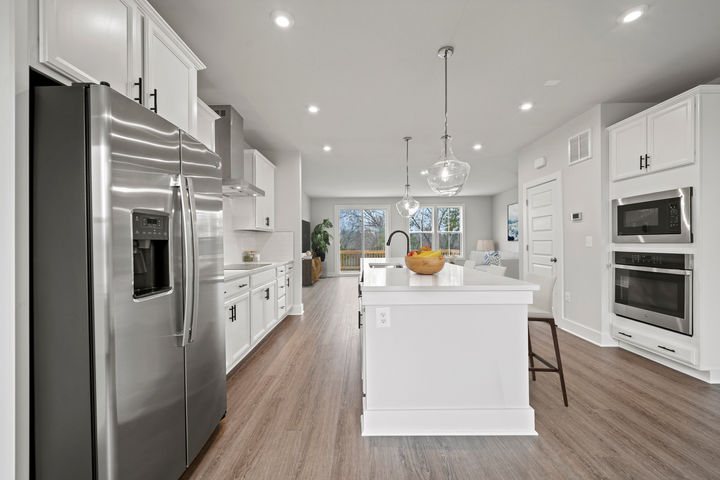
(321, 239)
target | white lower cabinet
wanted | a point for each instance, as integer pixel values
(237, 330)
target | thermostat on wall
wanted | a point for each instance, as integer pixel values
(576, 217)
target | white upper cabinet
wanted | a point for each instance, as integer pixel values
(671, 136)
(627, 149)
(660, 138)
(89, 40)
(171, 80)
(206, 117)
(256, 213)
(127, 44)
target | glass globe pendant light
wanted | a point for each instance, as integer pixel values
(407, 205)
(448, 175)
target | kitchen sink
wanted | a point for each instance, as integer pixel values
(386, 265)
(245, 266)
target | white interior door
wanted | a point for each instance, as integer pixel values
(544, 229)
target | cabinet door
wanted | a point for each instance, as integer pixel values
(270, 305)
(671, 136)
(290, 290)
(258, 326)
(88, 40)
(237, 331)
(265, 206)
(628, 147)
(171, 81)
(206, 117)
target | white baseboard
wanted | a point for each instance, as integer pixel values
(298, 309)
(500, 421)
(591, 335)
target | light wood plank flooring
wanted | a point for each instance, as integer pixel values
(294, 413)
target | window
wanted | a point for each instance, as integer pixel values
(440, 228)
(362, 234)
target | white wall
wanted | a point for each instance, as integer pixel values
(7, 240)
(583, 269)
(306, 207)
(478, 220)
(500, 203)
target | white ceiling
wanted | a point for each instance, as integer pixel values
(371, 67)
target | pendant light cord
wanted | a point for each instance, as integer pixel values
(445, 137)
(407, 162)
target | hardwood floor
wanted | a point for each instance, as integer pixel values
(294, 413)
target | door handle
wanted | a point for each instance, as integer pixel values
(553, 259)
(139, 84)
(154, 96)
(267, 294)
(195, 257)
(187, 259)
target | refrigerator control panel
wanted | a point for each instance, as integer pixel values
(150, 226)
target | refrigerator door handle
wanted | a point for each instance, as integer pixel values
(195, 259)
(187, 261)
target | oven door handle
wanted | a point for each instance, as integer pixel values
(672, 271)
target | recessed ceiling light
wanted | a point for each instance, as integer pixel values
(327, 148)
(633, 14)
(552, 83)
(526, 106)
(282, 19)
(424, 172)
(477, 146)
(313, 109)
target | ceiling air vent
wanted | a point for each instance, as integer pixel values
(579, 148)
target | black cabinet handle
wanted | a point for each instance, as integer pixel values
(647, 157)
(641, 162)
(267, 294)
(233, 313)
(242, 285)
(139, 84)
(287, 282)
(666, 348)
(154, 96)
(267, 221)
(624, 334)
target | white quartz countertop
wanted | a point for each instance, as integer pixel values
(450, 278)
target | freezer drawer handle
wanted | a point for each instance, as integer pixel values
(242, 285)
(666, 349)
(624, 334)
(267, 294)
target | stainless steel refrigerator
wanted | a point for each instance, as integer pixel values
(128, 347)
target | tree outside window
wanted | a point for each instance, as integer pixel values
(440, 228)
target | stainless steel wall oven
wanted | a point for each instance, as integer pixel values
(655, 288)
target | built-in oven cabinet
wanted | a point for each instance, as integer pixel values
(127, 44)
(658, 139)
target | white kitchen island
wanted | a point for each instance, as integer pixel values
(444, 354)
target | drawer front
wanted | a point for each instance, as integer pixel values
(282, 289)
(282, 308)
(672, 350)
(281, 270)
(236, 286)
(262, 278)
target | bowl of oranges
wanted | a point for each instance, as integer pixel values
(425, 261)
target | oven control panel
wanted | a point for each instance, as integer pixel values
(678, 261)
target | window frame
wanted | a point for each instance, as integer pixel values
(436, 227)
(336, 232)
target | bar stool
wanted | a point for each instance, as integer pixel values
(541, 311)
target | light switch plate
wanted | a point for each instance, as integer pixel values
(588, 241)
(382, 317)
(568, 297)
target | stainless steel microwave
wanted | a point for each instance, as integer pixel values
(662, 217)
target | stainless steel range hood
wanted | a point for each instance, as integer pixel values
(230, 145)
